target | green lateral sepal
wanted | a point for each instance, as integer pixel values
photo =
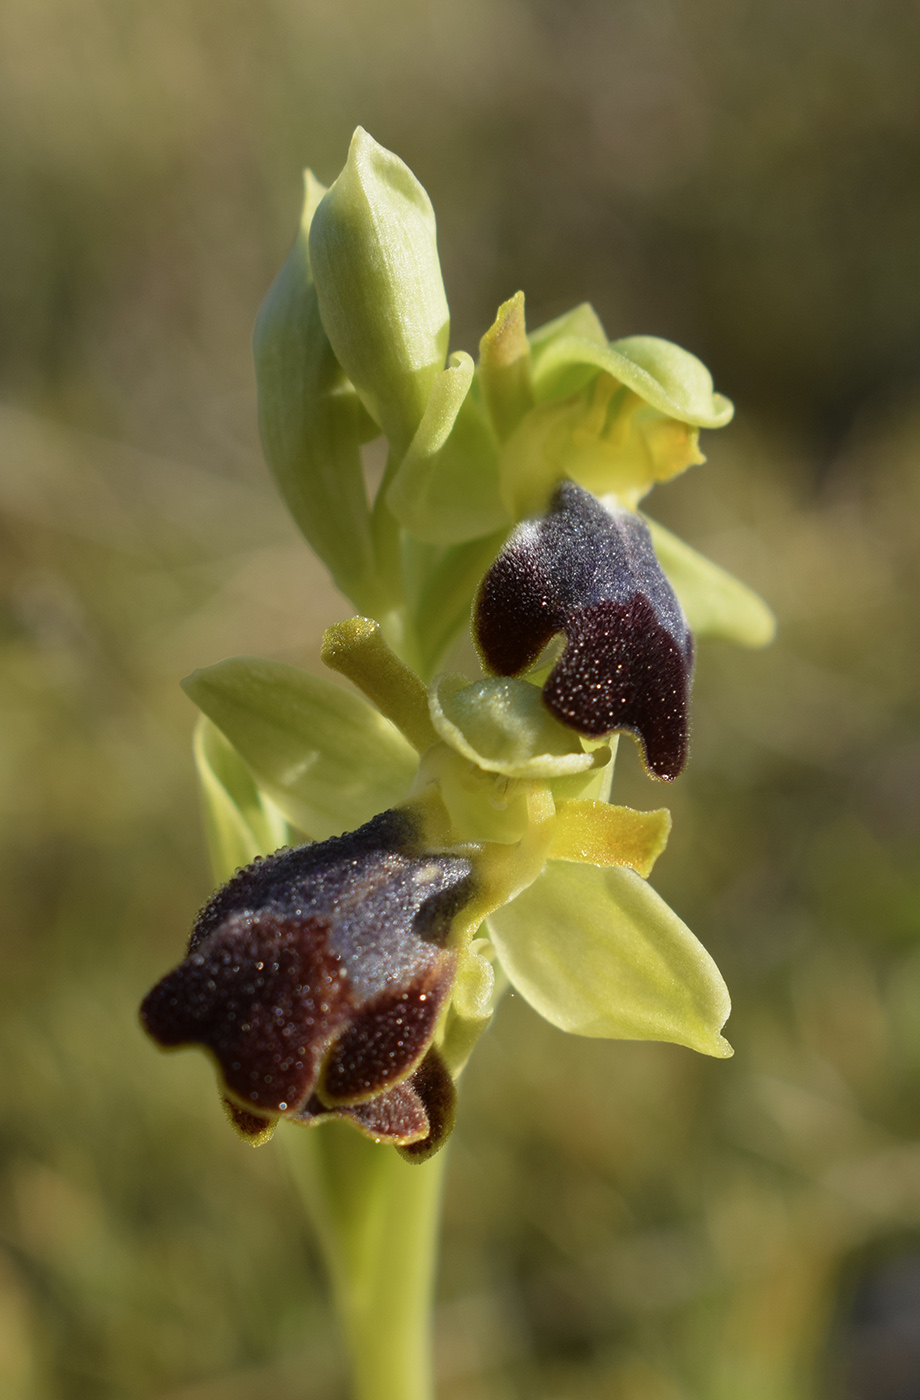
(715, 603)
(327, 759)
(599, 953)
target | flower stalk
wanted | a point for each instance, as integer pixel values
(376, 1218)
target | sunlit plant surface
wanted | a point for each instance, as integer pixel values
(394, 862)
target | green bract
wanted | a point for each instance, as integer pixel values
(312, 421)
(445, 489)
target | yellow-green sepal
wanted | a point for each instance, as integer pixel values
(662, 374)
(598, 953)
(327, 759)
(312, 421)
(715, 603)
(373, 250)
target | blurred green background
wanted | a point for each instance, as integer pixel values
(624, 1222)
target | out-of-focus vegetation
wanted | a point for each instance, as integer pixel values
(623, 1222)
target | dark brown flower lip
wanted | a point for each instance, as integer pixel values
(416, 1116)
(322, 968)
(592, 574)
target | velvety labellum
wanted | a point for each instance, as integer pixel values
(319, 972)
(591, 573)
(416, 1116)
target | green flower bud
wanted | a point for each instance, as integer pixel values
(374, 256)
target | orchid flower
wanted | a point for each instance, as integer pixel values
(322, 977)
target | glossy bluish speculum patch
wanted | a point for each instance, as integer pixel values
(590, 572)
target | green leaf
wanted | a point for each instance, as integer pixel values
(599, 953)
(240, 822)
(373, 249)
(715, 604)
(312, 421)
(326, 758)
(445, 490)
(666, 377)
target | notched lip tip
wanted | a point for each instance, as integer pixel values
(616, 732)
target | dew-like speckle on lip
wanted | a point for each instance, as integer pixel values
(594, 577)
(374, 915)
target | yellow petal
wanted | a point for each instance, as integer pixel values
(600, 834)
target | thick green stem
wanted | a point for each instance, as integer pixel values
(377, 1219)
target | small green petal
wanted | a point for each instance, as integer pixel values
(356, 649)
(715, 604)
(327, 759)
(312, 422)
(504, 368)
(503, 726)
(599, 953)
(240, 822)
(662, 374)
(373, 248)
(446, 487)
